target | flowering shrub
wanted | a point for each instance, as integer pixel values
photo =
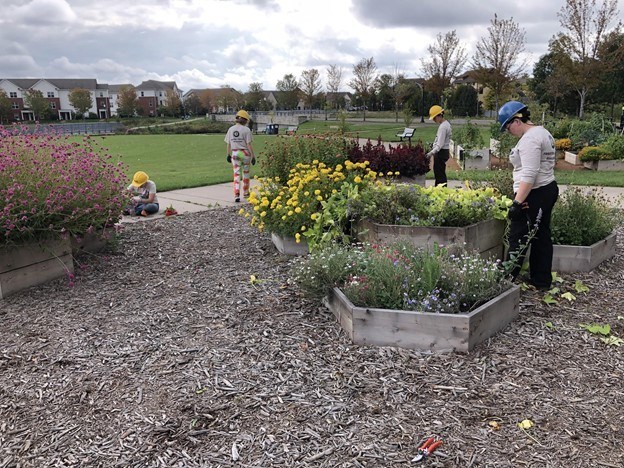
(296, 207)
(582, 218)
(284, 153)
(50, 186)
(594, 153)
(563, 144)
(413, 205)
(407, 160)
(402, 276)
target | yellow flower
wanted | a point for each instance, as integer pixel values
(313, 216)
(298, 209)
(317, 192)
(357, 179)
(319, 198)
(303, 228)
(290, 213)
(263, 214)
(297, 238)
(241, 211)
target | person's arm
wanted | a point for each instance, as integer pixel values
(530, 155)
(437, 143)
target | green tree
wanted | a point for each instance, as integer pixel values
(34, 100)
(447, 57)
(5, 108)
(254, 98)
(128, 103)
(384, 88)
(497, 58)
(611, 52)
(464, 101)
(193, 105)
(173, 103)
(550, 85)
(288, 96)
(364, 75)
(584, 27)
(81, 100)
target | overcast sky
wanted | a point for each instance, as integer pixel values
(210, 43)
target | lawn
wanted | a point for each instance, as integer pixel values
(184, 161)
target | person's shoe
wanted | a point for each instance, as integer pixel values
(246, 195)
(237, 199)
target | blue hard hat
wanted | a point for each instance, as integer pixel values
(508, 111)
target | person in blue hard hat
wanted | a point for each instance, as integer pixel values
(535, 192)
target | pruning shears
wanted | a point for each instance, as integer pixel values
(426, 449)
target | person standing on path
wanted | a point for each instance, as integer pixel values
(535, 193)
(440, 150)
(240, 152)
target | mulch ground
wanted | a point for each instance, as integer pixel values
(164, 354)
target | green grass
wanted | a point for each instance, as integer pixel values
(184, 161)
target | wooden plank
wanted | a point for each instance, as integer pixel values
(38, 273)
(574, 258)
(342, 309)
(493, 316)
(15, 257)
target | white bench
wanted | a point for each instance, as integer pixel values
(407, 133)
(292, 130)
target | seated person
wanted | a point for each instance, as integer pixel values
(144, 200)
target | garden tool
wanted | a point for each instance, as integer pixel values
(426, 449)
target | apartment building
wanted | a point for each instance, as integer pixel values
(105, 98)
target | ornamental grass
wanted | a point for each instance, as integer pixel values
(52, 187)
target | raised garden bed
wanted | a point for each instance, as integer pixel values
(289, 246)
(24, 266)
(424, 331)
(486, 237)
(574, 258)
(605, 165)
(572, 158)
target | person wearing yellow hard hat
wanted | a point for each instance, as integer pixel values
(144, 200)
(440, 149)
(240, 152)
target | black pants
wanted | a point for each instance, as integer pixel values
(439, 166)
(541, 201)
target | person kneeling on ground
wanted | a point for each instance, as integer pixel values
(144, 200)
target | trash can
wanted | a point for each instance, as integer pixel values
(275, 129)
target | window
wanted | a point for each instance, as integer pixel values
(53, 105)
(50, 93)
(14, 105)
(150, 104)
(160, 94)
(101, 94)
(142, 94)
(13, 94)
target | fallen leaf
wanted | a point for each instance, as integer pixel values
(526, 424)
(494, 425)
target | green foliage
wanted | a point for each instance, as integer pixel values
(590, 132)
(464, 101)
(469, 137)
(594, 153)
(501, 180)
(412, 205)
(582, 218)
(402, 276)
(284, 152)
(615, 146)
(506, 141)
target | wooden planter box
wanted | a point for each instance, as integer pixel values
(486, 237)
(606, 165)
(289, 246)
(424, 331)
(573, 258)
(477, 160)
(24, 266)
(572, 158)
(89, 243)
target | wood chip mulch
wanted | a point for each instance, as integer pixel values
(165, 354)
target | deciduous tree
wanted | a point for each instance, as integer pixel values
(497, 58)
(447, 57)
(254, 98)
(310, 85)
(34, 100)
(81, 100)
(364, 75)
(288, 96)
(584, 25)
(5, 108)
(334, 82)
(128, 102)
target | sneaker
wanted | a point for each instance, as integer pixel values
(246, 195)
(237, 200)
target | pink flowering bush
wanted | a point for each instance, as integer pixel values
(53, 187)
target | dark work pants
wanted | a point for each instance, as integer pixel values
(439, 166)
(540, 258)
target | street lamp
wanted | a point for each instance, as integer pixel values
(422, 101)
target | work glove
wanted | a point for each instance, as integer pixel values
(518, 211)
(429, 154)
(253, 161)
(228, 158)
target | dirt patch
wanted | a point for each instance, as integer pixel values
(165, 354)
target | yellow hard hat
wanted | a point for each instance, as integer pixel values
(243, 113)
(139, 178)
(434, 111)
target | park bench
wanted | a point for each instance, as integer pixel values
(292, 130)
(406, 133)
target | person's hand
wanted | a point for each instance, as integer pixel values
(518, 211)
(253, 161)
(429, 154)
(228, 158)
